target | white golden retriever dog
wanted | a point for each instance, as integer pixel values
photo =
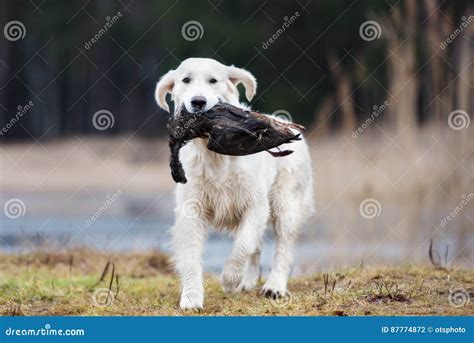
(240, 194)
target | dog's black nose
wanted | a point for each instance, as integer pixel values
(198, 102)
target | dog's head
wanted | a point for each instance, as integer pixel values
(199, 83)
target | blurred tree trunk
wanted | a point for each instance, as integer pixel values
(463, 98)
(15, 93)
(399, 29)
(343, 95)
(465, 57)
(321, 117)
(437, 28)
(3, 66)
(107, 96)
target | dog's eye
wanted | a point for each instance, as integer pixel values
(186, 80)
(213, 80)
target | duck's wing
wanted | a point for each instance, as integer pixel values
(240, 141)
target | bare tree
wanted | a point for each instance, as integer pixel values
(343, 94)
(399, 29)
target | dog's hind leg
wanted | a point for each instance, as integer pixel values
(285, 235)
(252, 272)
(290, 202)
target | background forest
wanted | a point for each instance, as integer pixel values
(319, 69)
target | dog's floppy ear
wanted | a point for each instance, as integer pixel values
(238, 75)
(163, 87)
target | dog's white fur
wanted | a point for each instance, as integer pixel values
(240, 194)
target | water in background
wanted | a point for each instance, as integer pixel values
(336, 237)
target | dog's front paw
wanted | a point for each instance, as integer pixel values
(274, 289)
(231, 278)
(191, 301)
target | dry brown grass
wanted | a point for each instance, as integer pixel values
(142, 284)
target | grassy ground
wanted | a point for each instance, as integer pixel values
(75, 283)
